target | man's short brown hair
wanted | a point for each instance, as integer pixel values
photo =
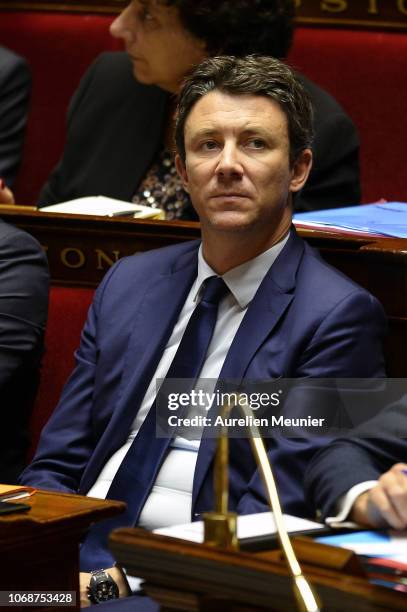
(260, 76)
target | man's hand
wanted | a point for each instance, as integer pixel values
(84, 580)
(6, 195)
(116, 574)
(385, 505)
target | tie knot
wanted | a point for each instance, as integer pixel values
(215, 289)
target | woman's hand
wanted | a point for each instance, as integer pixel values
(6, 195)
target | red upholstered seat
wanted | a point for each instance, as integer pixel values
(67, 313)
(366, 72)
(59, 48)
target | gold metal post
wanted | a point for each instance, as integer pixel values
(219, 527)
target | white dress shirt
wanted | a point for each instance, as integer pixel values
(345, 503)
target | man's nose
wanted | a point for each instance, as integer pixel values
(229, 163)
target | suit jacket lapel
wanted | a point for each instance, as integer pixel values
(154, 322)
(266, 309)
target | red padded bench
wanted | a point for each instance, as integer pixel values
(68, 308)
(59, 47)
(364, 70)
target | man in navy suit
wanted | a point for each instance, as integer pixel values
(244, 148)
(24, 281)
(370, 467)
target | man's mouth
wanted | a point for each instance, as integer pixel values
(230, 194)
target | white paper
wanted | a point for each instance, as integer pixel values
(105, 207)
(14, 496)
(248, 526)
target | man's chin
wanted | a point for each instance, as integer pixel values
(230, 221)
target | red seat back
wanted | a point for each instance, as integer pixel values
(67, 313)
(59, 48)
(366, 72)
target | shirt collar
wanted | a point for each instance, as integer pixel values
(244, 280)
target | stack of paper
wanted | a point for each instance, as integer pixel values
(106, 207)
(9, 492)
(383, 555)
(248, 526)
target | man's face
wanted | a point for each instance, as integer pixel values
(161, 49)
(237, 168)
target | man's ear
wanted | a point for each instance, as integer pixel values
(300, 170)
(182, 171)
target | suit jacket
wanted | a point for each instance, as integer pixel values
(349, 461)
(305, 320)
(115, 129)
(23, 313)
(15, 86)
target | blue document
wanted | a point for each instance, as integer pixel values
(390, 544)
(382, 553)
(388, 219)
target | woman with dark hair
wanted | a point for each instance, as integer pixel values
(239, 27)
(120, 123)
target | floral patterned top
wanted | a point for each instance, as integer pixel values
(162, 188)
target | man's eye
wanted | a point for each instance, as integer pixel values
(209, 145)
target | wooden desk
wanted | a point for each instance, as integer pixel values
(183, 575)
(40, 548)
(81, 249)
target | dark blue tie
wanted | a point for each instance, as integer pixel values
(138, 470)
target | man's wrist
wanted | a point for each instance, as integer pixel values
(345, 505)
(119, 576)
(102, 587)
(359, 511)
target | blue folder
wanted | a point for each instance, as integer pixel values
(388, 219)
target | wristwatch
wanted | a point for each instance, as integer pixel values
(102, 587)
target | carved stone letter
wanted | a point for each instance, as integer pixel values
(78, 255)
(402, 6)
(373, 10)
(103, 258)
(334, 6)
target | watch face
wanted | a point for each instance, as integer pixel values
(106, 590)
(102, 587)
